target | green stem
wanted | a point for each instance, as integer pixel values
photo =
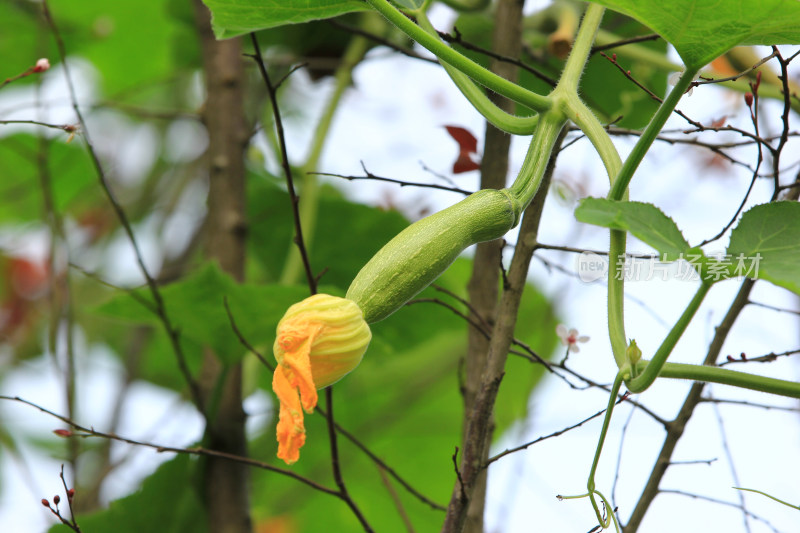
(724, 376)
(566, 95)
(533, 167)
(619, 189)
(309, 205)
(770, 497)
(583, 117)
(448, 55)
(612, 401)
(649, 135)
(491, 112)
(648, 375)
(571, 75)
(616, 295)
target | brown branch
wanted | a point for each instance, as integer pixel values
(381, 41)
(69, 128)
(694, 123)
(336, 467)
(529, 354)
(735, 76)
(622, 42)
(287, 169)
(745, 403)
(457, 39)
(370, 176)
(558, 433)
(398, 503)
(768, 358)
(721, 502)
(84, 431)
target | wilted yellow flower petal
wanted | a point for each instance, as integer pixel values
(319, 340)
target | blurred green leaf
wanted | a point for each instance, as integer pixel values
(236, 17)
(702, 30)
(410, 4)
(196, 307)
(71, 177)
(346, 236)
(22, 47)
(168, 501)
(128, 55)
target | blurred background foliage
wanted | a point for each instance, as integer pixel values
(71, 289)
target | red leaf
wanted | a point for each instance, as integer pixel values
(467, 144)
(466, 141)
(464, 164)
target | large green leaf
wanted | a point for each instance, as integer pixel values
(196, 307)
(21, 47)
(167, 502)
(110, 35)
(346, 235)
(768, 240)
(645, 221)
(236, 17)
(701, 30)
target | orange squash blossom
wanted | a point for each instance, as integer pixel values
(319, 340)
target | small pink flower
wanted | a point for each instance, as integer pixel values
(42, 65)
(570, 338)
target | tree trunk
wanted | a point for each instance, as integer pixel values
(225, 483)
(483, 285)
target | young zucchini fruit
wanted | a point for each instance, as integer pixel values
(420, 253)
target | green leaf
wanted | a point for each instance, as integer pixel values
(109, 35)
(702, 30)
(236, 17)
(20, 41)
(71, 177)
(346, 236)
(196, 307)
(167, 502)
(410, 4)
(769, 236)
(645, 221)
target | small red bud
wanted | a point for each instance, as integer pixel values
(629, 73)
(62, 432)
(56, 499)
(758, 81)
(731, 359)
(71, 493)
(45, 503)
(743, 356)
(41, 65)
(613, 57)
(748, 99)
